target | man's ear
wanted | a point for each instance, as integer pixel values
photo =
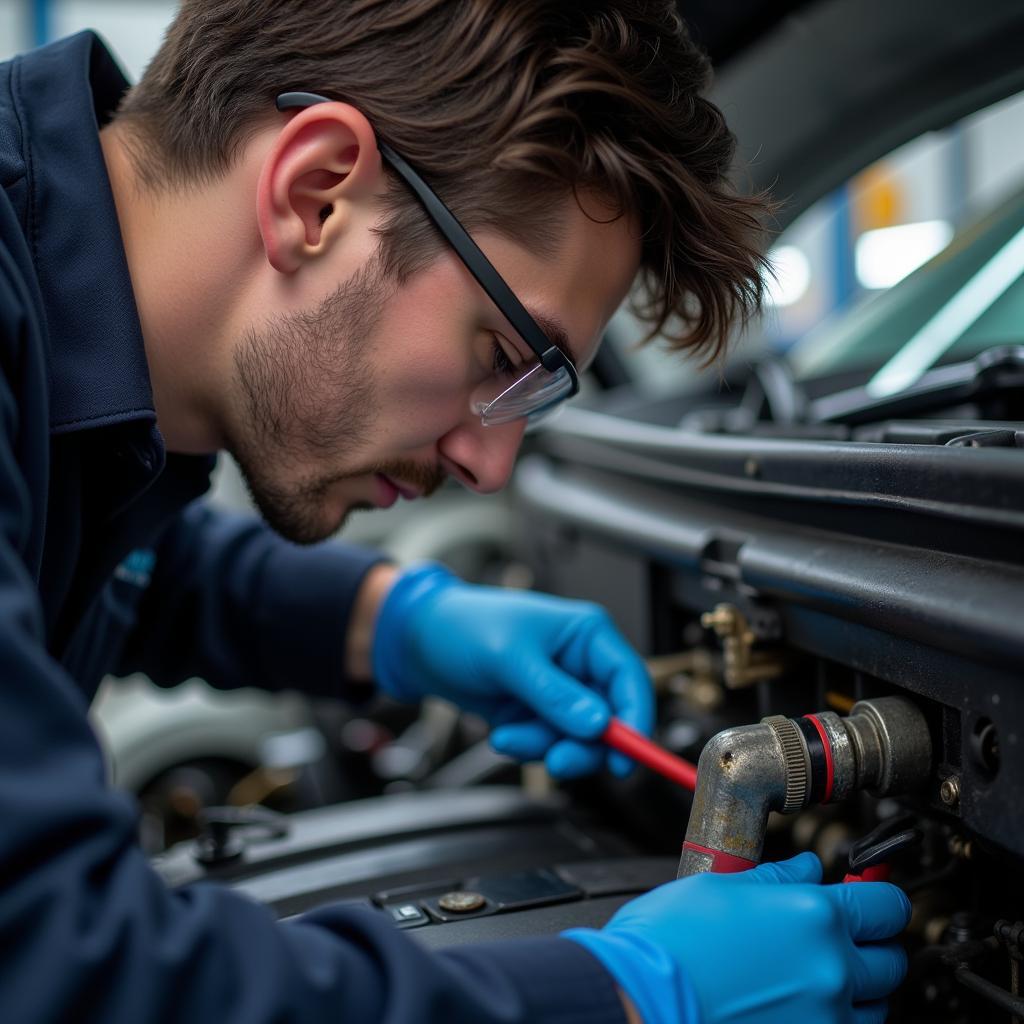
(324, 166)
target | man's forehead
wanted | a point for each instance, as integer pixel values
(573, 292)
(589, 279)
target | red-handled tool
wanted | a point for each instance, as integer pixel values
(626, 740)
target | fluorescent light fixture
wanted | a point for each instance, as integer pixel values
(944, 329)
(792, 277)
(885, 256)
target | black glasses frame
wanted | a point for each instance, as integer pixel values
(552, 358)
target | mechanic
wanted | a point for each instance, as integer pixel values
(230, 257)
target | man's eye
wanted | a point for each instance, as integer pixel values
(502, 364)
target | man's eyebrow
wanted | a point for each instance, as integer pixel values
(554, 332)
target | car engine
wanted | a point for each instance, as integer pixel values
(831, 614)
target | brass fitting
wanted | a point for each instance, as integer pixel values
(742, 665)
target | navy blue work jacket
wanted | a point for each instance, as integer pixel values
(108, 563)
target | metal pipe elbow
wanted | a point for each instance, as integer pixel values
(741, 776)
(786, 764)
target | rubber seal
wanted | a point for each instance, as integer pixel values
(828, 775)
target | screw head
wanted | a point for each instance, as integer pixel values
(461, 902)
(949, 791)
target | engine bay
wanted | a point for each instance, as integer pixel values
(862, 598)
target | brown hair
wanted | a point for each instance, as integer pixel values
(503, 107)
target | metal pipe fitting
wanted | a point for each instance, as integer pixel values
(787, 764)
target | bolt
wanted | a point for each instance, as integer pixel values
(1011, 934)
(949, 791)
(963, 927)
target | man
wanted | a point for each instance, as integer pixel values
(240, 254)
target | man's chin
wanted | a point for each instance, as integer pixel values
(304, 522)
(303, 514)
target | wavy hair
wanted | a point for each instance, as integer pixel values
(504, 107)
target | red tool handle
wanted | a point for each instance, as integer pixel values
(875, 873)
(626, 740)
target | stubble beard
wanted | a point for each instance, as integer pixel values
(307, 396)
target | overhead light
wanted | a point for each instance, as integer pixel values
(885, 256)
(791, 278)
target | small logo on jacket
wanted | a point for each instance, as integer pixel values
(137, 568)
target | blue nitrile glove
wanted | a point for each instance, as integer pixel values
(765, 946)
(547, 672)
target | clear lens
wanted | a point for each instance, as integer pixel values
(539, 420)
(536, 392)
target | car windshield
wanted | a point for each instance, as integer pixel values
(847, 306)
(968, 298)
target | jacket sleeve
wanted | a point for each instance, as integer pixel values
(91, 934)
(232, 602)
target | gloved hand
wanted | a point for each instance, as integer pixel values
(547, 672)
(765, 946)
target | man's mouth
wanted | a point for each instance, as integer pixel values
(407, 491)
(387, 492)
(393, 489)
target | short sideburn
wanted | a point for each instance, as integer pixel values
(505, 108)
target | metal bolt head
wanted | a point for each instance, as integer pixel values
(949, 791)
(962, 849)
(461, 902)
(724, 620)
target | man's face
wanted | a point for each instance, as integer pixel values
(367, 394)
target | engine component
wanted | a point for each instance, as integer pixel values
(868, 855)
(786, 764)
(226, 831)
(742, 665)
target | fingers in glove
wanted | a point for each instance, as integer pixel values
(526, 741)
(804, 867)
(620, 765)
(878, 970)
(558, 698)
(531, 741)
(602, 656)
(570, 759)
(872, 910)
(626, 681)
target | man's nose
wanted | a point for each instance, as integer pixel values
(479, 457)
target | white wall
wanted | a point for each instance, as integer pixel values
(133, 28)
(15, 30)
(995, 152)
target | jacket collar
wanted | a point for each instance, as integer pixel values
(99, 375)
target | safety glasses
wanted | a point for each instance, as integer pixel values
(529, 392)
